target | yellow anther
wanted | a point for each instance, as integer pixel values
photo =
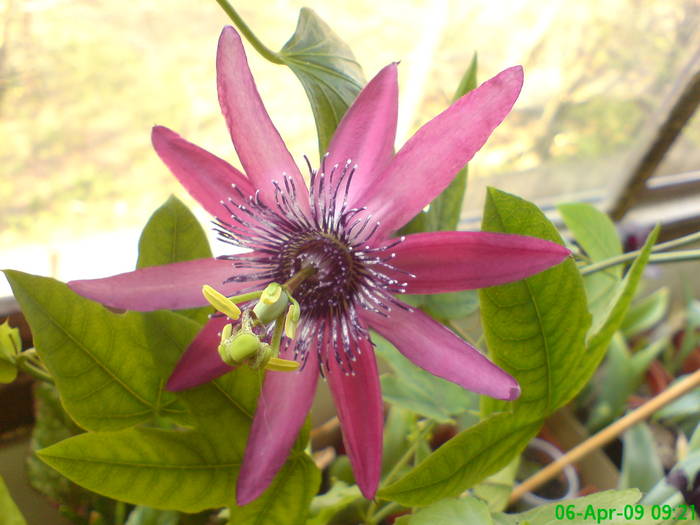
(222, 303)
(292, 319)
(281, 365)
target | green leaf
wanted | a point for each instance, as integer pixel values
(598, 342)
(641, 466)
(596, 234)
(327, 505)
(148, 516)
(450, 512)
(646, 313)
(188, 470)
(100, 360)
(535, 328)
(10, 346)
(452, 305)
(173, 234)
(419, 391)
(622, 373)
(463, 461)
(286, 500)
(495, 490)
(327, 69)
(595, 504)
(445, 210)
(159, 468)
(9, 512)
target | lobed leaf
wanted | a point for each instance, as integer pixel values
(164, 469)
(101, 361)
(173, 234)
(327, 70)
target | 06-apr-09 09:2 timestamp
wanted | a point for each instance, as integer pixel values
(629, 512)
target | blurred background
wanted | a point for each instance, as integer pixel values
(82, 82)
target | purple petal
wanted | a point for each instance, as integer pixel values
(367, 131)
(452, 261)
(205, 176)
(171, 286)
(428, 162)
(358, 401)
(200, 363)
(434, 348)
(260, 148)
(282, 407)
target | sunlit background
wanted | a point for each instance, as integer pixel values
(82, 82)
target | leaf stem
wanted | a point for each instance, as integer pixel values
(402, 462)
(655, 257)
(606, 435)
(248, 33)
(385, 511)
(24, 363)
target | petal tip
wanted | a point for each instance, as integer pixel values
(514, 393)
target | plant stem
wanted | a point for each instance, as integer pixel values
(606, 435)
(248, 33)
(23, 363)
(385, 511)
(407, 456)
(655, 257)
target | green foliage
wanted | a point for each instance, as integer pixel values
(8, 509)
(173, 234)
(598, 341)
(414, 389)
(159, 468)
(102, 362)
(535, 328)
(148, 516)
(10, 346)
(646, 313)
(622, 374)
(641, 466)
(123, 360)
(450, 512)
(326, 68)
(463, 461)
(327, 505)
(596, 234)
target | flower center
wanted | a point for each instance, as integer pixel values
(334, 281)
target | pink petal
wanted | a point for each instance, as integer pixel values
(282, 407)
(452, 261)
(434, 348)
(171, 286)
(206, 177)
(358, 401)
(260, 148)
(201, 362)
(428, 162)
(367, 131)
